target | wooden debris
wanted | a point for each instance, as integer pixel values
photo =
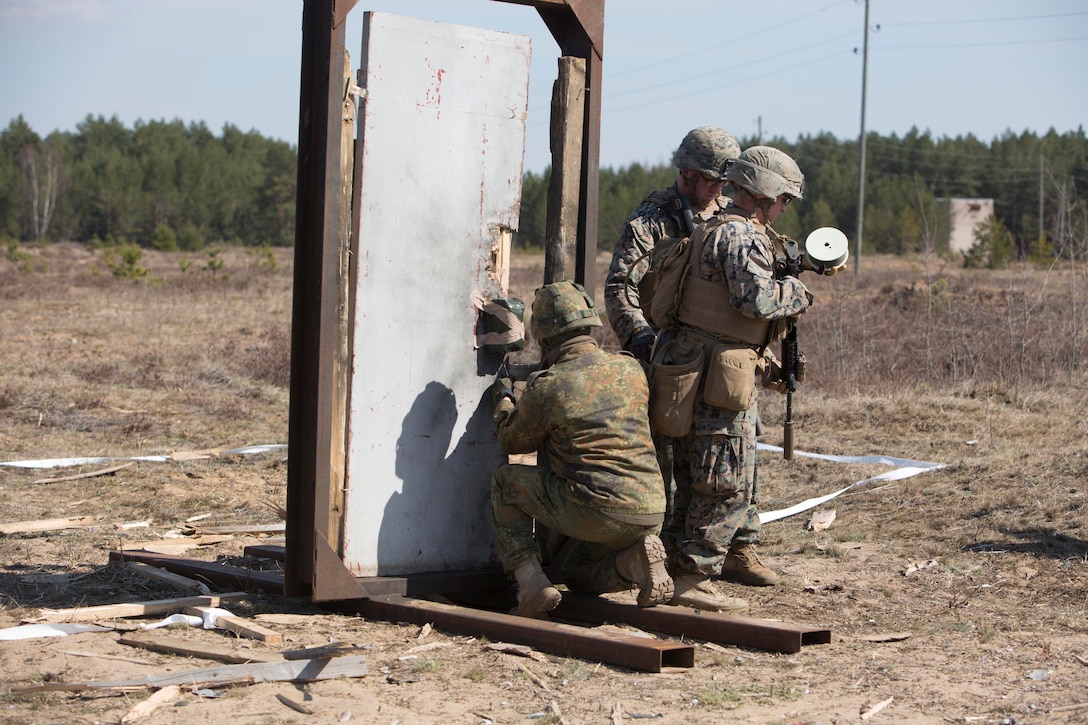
(238, 625)
(296, 706)
(868, 714)
(135, 609)
(888, 637)
(285, 671)
(188, 648)
(135, 524)
(333, 649)
(148, 706)
(175, 546)
(242, 529)
(617, 714)
(88, 474)
(196, 455)
(424, 631)
(103, 656)
(821, 520)
(532, 676)
(429, 646)
(163, 576)
(34, 527)
(284, 618)
(520, 650)
(916, 566)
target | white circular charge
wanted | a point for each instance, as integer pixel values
(827, 247)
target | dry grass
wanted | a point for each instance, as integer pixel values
(96, 365)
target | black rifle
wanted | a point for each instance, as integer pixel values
(789, 265)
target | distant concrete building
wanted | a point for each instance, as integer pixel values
(964, 216)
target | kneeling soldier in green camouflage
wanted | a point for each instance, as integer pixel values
(596, 479)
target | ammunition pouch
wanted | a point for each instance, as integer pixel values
(674, 385)
(731, 377)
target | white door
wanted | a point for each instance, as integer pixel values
(442, 134)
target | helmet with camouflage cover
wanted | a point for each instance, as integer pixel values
(561, 307)
(767, 172)
(707, 149)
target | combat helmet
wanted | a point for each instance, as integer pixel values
(708, 149)
(561, 307)
(767, 172)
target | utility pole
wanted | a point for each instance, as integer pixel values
(861, 143)
(1040, 196)
(759, 127)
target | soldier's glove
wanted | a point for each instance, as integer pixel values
(831, 271)
(773, 379)
(502, 390)
(641, 344)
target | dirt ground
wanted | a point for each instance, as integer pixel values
(958, 595)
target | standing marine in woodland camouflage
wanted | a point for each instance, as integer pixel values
(733, 306)
(596, 478)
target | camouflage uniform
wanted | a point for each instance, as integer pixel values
(648, 225)
(659, 218)
(715, 465)
(597, 478)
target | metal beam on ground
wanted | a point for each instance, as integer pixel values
(567, 640)
(764, 634)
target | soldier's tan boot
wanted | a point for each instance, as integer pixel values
(743, 565)
(536, 594)
(644, 564)
(696, 591)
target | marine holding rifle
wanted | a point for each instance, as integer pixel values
(732, 306)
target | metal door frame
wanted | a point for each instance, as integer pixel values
(315, 469)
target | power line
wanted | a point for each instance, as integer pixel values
(981, 45)
(982, 20)
(717, 72)
(732, 83)
(748, 34)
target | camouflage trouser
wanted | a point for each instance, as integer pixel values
(664, 447)
(520, 494)
(715, 504)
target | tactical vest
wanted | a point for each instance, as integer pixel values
(669, 202)
(705, 305)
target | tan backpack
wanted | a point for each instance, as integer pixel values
(670, 265)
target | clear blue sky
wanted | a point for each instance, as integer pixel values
(790, 67)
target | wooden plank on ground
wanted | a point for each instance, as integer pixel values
(242, 529)
(88, 474)
(240, 626)
(148, 706)
(285, 671)
(33, 527)
(205, 650)
(135, 609)
(163, 576)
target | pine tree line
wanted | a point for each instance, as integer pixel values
(168, 185)
(907, 180)
(160, 184)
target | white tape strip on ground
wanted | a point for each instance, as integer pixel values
(906, 469)
(65, 462)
